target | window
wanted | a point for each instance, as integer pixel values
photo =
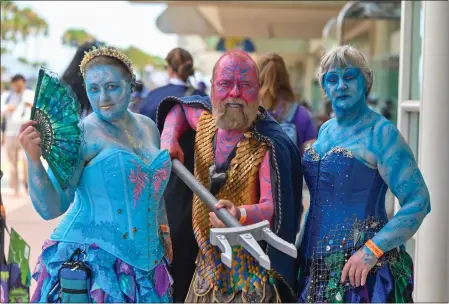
(415, 88)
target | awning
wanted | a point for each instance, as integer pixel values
(284, 19)
(184, 21)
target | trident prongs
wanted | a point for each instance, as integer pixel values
(248, 236)
(236, 234)
(278, 243)
(226, 250)
(249, 243)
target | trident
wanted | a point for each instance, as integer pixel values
(235, 234)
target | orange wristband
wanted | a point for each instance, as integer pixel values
(242, 215)
(374, 249)
(165, 228)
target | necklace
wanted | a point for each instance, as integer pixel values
(132, 141)
(136, 145)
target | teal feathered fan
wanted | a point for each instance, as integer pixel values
(56, 110)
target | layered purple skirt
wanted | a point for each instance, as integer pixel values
(112, 279)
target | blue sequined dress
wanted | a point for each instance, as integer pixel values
(347, 208)
(114, 220)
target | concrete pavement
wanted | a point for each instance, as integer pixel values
(20, 215)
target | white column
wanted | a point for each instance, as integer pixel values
(432, 256)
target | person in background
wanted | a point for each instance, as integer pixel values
(387, 111)
(329, 110)
(202, 87)
(139, 94)
(73, 77)
(373, 103)
(15, 109)
(277, 96)
(179, 68)
(306, 105)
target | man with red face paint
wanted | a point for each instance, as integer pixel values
(245, 159)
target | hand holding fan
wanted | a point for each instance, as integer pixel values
(56, 111)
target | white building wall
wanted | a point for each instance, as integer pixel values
(432, 250)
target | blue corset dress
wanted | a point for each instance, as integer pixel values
(347, 207)
(114, 219)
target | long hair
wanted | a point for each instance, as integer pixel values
(73, 77)
(181, 62)
(274, 81)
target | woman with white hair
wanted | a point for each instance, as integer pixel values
(351, 251)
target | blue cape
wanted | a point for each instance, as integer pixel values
(286, 183)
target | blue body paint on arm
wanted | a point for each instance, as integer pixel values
(48, 199)
(398, 168)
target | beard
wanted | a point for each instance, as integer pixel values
(234, 114)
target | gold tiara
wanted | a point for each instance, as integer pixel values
(105, 51)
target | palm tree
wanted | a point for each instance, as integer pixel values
(10, 21)
(24, 26)
(4, 50)
(19, 24)
(8, 8)
(140, 59)
(23, 60)
(76, 37)
(38, 64)
(33, 64)
(40, 27)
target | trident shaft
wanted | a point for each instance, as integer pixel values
(235, 234)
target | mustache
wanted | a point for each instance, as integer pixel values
(234, 101)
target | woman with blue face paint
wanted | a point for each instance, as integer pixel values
(351, 251)
(115, 219)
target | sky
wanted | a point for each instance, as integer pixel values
(119, 23)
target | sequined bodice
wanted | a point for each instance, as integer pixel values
(115, 208)
(341, 187)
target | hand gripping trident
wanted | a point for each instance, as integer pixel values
(236, 234)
